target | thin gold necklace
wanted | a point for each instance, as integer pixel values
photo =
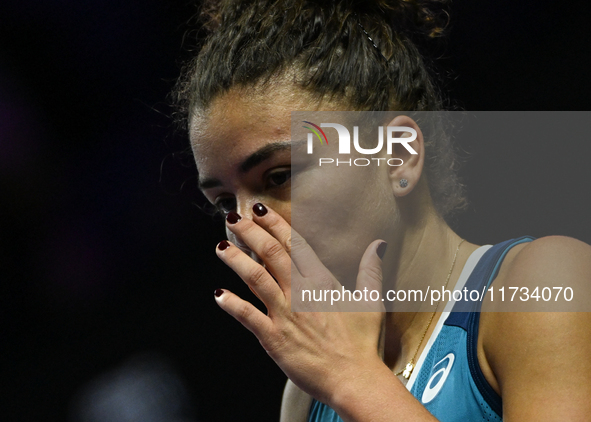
(407, 371)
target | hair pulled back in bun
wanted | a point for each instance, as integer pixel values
(425, 16)
(362, 53)
(249, 41)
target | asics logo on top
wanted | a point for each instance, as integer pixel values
(438, 378)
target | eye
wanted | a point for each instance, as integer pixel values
(225, 205)
(279, 178)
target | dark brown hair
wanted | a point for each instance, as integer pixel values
(363, 54)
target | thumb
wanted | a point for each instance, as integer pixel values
(370, 267)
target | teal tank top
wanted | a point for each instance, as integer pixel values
(448, 380)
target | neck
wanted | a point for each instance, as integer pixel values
(424, 257)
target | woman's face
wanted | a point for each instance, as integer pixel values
(242, 147)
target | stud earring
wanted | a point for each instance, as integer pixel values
(403, 183)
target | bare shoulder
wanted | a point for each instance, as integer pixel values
(553, 258)
(548, 274)
(542, 357)
(295, 404)
(547, 266)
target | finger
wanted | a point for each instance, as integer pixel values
(305, 259)
(268, 248)
(302, 253)
(253, 274)
(370, 273)
(274, 224)
(245, 313)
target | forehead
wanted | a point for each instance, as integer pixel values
(241, 121)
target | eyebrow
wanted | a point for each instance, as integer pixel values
(250, 162)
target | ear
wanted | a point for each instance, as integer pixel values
(412, 164)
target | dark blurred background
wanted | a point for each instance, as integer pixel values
(107, 265)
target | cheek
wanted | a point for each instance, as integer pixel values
(283, 208)
(340, 213)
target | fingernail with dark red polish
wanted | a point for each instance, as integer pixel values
(233, 217)
(382, 249)
(223, 245)
(259, 209)
(218, 292)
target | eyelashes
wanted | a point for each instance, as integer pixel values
(225, 205)
(277, 179)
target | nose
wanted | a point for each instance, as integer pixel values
(244, 206)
